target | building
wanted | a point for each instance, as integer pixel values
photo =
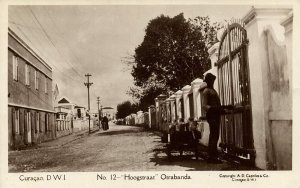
(64, 121)
(108, 112)
(30, 107)
(79, 112)
(73, 115)
(65, 105)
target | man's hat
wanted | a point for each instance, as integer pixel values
(209, 77)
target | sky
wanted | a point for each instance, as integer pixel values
(76, 40)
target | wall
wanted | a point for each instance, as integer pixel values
(80, 125)
(63, 128)
(280, 103)
(281, 136)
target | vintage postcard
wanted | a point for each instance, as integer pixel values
(149, 93)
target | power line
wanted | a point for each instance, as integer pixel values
(50, 40)
(76, 58)
(64, 74)
(37, 49)
(111, 56)
(18, 24)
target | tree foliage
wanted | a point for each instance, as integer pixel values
(173, 53)
(126, 108)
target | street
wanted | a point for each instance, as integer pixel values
(121, 148)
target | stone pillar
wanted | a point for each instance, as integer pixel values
(173, 112)
(196, 95)
(150, 110)
(186, 89)
(139, 117)
(168, 112)
(161, 98)
(213, 52)
(178, 96)
(156, 113)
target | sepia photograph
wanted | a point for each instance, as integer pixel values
(149, 88)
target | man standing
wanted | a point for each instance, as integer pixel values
(212, 107)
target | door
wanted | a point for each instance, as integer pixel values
(234, 90)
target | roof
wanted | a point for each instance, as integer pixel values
(61, 112)
(63, 100)
(79, 106)
(107, 108)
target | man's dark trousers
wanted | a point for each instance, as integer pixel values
(214, 128)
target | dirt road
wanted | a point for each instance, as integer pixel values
(121, 148)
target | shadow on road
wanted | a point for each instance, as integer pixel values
(189, 161)
(119, 132)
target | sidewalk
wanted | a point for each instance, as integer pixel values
(66, 139)
(61, 141)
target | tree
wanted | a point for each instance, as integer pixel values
(126, 108)
(173, 53)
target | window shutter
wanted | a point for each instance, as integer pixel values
(13, 121)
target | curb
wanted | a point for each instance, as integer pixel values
(77, 136)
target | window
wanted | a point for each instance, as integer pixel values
(15, 68)
(37, 125)
(17, 121)
(27, 74)
(36, 80)
(46, 85)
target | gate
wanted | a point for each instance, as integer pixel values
(234, 90)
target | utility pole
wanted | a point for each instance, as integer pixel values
(98, 102)
(88, 84)
(101, 111)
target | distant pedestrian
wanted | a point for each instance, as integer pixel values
(105, 123)
(212, 107)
